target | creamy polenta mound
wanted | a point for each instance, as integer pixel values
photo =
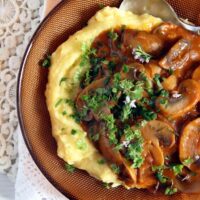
(117, 94)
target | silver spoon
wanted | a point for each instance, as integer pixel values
(157, 8)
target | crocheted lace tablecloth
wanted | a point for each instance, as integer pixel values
(18, 21)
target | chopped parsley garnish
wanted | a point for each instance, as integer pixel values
(112, 128)
(101, 161)
(188, 161)
(64, 112)
(58, 102)
(163, 101)
(147, 114)
(105, 62)
(101, 6)
(170, 71)
(81, 144)
(177, 169)
(125, 68)
(112, 35)
(107, 80)
(86, 53)
(147, 82)
(126, 85)
(171, 190)
(134, 91)
(131, 134)
(62, 129)
(140, 54)
(116, 80)
(157, 80)
(69, 168)
(126, 111)
(122, 29)
(164, 93)
(94, 137)
(118, 147)
(70, 102)
(161, 178)
(80, 114)
(159, 173)
(107, 185)
(115, 168)
(87, 77)
(73, 132)
(97, 98)
(134, 151)
(63, 79)
(46, 62)
(76, 117)
(114, 90)
(111, 66)
(93, 71)
(142, 123)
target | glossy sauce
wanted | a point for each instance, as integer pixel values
(171, 48)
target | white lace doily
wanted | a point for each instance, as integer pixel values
(30, 182)
(18, 21)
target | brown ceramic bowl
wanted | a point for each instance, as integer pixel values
(68, 17)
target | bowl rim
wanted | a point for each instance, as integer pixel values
(18, 100)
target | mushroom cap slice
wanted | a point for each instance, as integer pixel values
(93, 86)
(108, 150)
(128, 174)
(189, 146)
(196, 74)
(191, 186)
(170, 83)
(177, 107)
(153, 68)
(134, 70)
(160, 133)
(151, 43)
(178, 55)
(153, 156)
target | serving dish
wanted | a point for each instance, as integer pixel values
(34, 118)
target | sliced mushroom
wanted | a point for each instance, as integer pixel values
(153, 156)
(195, 49)
(171, 32)
(178, 56)
(189, 146)
(196, 74)
(189, 91)
(153, 68)
(151, 43)
(100, 83)
(108, 150)
(170, 83)
(134, 70)
(128, 174)
(191, 186)
(159, 133)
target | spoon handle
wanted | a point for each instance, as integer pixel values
(189, 27)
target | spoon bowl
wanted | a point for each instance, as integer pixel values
(157, 8)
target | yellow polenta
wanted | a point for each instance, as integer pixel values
(76, 148)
